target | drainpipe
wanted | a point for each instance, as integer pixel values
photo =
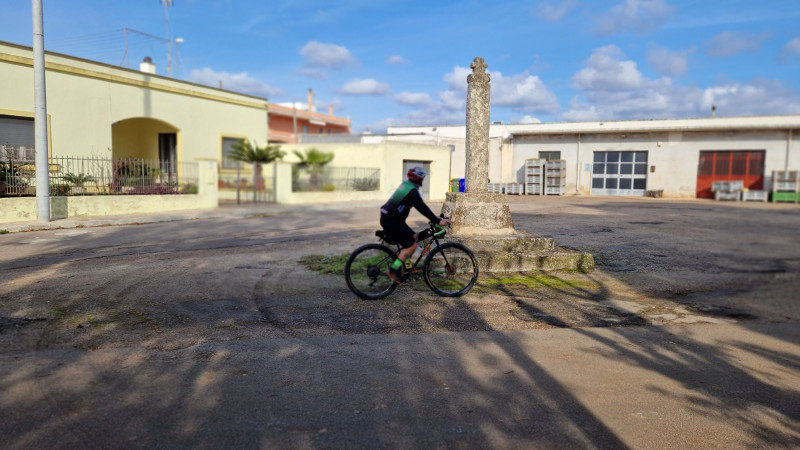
(40, 117)
(788, 148)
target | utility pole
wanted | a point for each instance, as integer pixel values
(167, 4)
(40, 117)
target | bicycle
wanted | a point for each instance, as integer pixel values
(450, 269)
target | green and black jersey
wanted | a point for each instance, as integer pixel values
(404, 198)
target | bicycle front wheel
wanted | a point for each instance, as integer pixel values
(365, 270)
(451, 270)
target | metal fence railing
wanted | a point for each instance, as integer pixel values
(251, 185)
(335, 179)
(100, 176)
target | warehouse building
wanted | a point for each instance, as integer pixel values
(680, 158)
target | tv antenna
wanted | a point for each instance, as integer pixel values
(167, 4)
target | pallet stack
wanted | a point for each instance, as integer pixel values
(786, 186)
(556, 177)
(496, 188)
(534, 176)
(727, 190)
(514, 188)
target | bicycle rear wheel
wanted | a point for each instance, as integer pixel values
(365, 270)
(451, 270)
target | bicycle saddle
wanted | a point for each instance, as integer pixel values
(382, 235)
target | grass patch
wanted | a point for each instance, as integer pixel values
(325, 264)
(533, 281)
(58, 312)
(4, 231)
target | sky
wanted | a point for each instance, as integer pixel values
(405, 63)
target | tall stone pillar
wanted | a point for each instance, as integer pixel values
(476, 212)
(481, 220)
(478, 118)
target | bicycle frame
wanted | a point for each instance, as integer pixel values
(415, 266)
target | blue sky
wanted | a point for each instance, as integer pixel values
(385, 63)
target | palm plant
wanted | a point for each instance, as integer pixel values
(246, 152)
(77, 180)
(313, 161)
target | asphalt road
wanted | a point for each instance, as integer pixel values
(208, 334)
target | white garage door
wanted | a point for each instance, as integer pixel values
(619, 173)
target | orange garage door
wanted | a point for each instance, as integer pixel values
(717, 165)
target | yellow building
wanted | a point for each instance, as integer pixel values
(105, 111)
(102, 112)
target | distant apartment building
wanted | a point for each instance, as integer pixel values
(289, 122)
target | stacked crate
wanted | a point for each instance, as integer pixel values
(534, 176)
(786, 186)
(514, 188)
(750, 195)
(556, 177)
(727, 190)
(496, 188)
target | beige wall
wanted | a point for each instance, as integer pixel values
(387, 156)
(20, 209)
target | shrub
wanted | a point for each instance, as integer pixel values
(59, 190)
(365, 184)
(77, 180)
(153, 190)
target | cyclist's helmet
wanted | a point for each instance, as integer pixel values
(416, 175)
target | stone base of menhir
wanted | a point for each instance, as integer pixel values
(482, 222)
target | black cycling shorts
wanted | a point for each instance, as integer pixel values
(397, 231)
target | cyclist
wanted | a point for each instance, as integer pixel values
(394, 214)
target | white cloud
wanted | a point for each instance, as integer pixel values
(790, 50)
(731, 43)
(238, 82)
(413, 98)
(457, 78)
(639, 16)
(666, 61)
(611, 87)
(554, 13)
(522, 92)
(529, 119)
(607, 70)
(760, 97)
(436, 115)
(396, 59)
(332, 56)
(366, 86)
(583, 112)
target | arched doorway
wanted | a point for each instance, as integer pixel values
(147, 139)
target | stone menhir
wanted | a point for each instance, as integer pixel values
(482, 220)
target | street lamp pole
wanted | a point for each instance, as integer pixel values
(40, 117)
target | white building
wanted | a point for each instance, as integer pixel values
(682, 157)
